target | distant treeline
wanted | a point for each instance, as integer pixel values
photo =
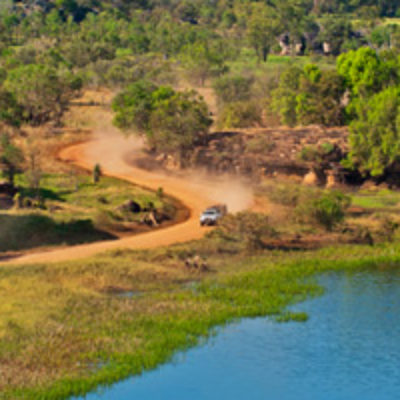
(49, 50)
(101, 28)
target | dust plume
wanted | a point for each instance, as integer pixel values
(109, 145)
(237, 195)
(231, 190)
(110, 148)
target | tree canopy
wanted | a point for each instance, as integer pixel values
(171, 121)
(375, 133)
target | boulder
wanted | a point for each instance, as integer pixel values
(332, 180)
(130, 206)
(311, 179)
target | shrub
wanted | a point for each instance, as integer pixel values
(387, 229)
(260, 144)
(309, 153)
(289, 195)
(240, 115)
(326, 210)
(246, 227)
(316, 154)
(97, 172)
(160, 193)
(233, 88)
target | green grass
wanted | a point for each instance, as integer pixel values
(76, 211)
(383, 199)
(392, 21)
(63, 332)
(80, 192)
(247, 61)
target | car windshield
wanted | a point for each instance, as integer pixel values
(210, 212)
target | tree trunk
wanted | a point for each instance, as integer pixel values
(265, 53)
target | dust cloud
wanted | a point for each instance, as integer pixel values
(231, 190)
(109, 145)
(237, 195)
(111, 148)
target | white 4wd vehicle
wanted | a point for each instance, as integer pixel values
(212, 215)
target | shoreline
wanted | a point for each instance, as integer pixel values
(259, 286)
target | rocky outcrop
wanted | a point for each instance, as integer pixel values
(272, 152)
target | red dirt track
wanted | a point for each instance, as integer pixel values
(86, 155)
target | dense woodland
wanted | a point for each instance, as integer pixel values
(291, 62)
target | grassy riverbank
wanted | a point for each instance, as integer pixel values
(67, 328)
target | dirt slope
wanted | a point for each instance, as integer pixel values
(108, 150)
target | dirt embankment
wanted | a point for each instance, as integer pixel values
(108, 148)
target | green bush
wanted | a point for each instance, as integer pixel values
(286, 195)
(326, 210)
(309, 153)
(247, 228)
(233, 88)
(240, 115)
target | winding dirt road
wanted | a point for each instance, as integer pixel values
(108, 150)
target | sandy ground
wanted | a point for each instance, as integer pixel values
(109, 150)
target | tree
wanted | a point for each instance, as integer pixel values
(263, 29)
(233, 88)
(335, 32)
(11, 158)
(364, 72)
(246, 227)
(97, 173)
(326, 210)
(310, 96)
(180, 122)
(240, 114)
(293, 17)
(284, 96)
(319, 100)
(375, 133)
(203, 60)
(172, 121)
(10, 110)
(41, 91)
(133, 106)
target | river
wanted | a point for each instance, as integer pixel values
(349, 349)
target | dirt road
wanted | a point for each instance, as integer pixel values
(108, 150)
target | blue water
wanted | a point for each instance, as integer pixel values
(349, 349)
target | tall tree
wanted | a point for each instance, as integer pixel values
(172, 122)
(263, 29)
(41, 91)
(375, 133)
(204, 60)
(11, 158)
